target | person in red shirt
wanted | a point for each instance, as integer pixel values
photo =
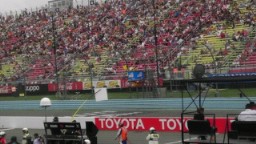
(2, 138)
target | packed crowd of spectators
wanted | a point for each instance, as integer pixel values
(127, 31)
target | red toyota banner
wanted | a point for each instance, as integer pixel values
(173, 124)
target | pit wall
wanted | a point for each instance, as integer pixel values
(36, 122)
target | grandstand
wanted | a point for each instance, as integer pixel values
(117, 36)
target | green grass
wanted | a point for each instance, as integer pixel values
(250, 92)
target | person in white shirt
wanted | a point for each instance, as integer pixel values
(153, 136)
(249, 114)
(26, 136)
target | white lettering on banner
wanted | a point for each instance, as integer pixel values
(172, 124)
(109, 123)
(132, 122)
(186, 124)
(140, 124)
(162, 123)
(3, 90)
(117, 121)
(128, 122)
(32, 88)
(69, 86)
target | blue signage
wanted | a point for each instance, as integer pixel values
(136, 75)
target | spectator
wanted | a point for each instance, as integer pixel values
(56, 131)
(38, 139)
(2, 137)
(249, 114)
(113, 25)
(200, 114)
(55, 119)
(13, 140)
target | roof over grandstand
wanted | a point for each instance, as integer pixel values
(220, 79)
(6, 6)
(17, 5)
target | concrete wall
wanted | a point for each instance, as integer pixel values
(37, 122)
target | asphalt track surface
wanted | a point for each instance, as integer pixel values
(107, 137)
(135, 137)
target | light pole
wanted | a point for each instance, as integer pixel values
(156, 44)
(91, 75)
(215, 67)
(55, 53)
(91, 66)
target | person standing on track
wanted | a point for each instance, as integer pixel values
(26, 138)
(122, 134)
(153, 136)
(38, 139)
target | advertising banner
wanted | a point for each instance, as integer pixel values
(110, 84)
(5, 89)
(100, 84)
(125, 83)
(71, 86)
(113, 83)
(36, 89)
(173, 124)
(87, 85)
(136, 75)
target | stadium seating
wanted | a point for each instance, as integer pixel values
(122, 38)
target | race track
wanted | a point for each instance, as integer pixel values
(141, 108)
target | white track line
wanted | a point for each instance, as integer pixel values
(6, 129)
